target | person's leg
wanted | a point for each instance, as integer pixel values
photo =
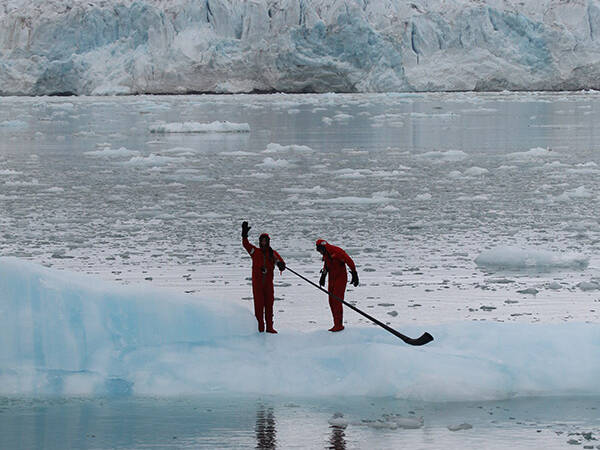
(337, 288)
(269, 300)
(259, 307)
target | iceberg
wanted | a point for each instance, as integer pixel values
(235, 46)
(517, 258)
(64, 333)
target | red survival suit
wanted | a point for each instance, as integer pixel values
(335, 260)
(263, 263)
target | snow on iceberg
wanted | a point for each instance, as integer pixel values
(511, 257)
(225, 46)
(67, 334)
(198, 127)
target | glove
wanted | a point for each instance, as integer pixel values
(323, 276)
(281, 265)
(354, 278)
(245, 229)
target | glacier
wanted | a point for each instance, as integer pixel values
(65, 333)
(103, 47)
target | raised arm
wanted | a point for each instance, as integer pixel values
(245, 242)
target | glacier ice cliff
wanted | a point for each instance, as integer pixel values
(228, 46)
(62, 333)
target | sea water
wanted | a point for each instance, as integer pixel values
(457, 208)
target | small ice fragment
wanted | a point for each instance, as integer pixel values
(462, 426)
(554, 285)
(408, 423)
(197, 127)
(588, 286)
(532, 291)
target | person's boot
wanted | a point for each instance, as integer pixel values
(261, 326)
(337, 325)
(270, 328)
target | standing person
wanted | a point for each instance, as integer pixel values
(264, 259)
(335, 261)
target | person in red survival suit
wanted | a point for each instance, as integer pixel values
(264, 259)
(335, 261)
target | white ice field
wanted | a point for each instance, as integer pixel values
(457, 207)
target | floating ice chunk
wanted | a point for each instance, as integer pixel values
(554, 285)
(32, 182)
(529, 291)
(357, 200)
(55, 190)
(420, 115)
(423, 197)
(408, 423)
(327, 120)
(350, 175)
(534, 153)
(476, 171)
(198, 127)
(13, 124)
(342, 116)
(511, 257)
(577, 193)
(313, 190)
(9, 172)
(237, 153)
(455, 174)
(270, 163)
(181, 151)
(459, 427)
(153, 160)
(588, 286)
(446, 156)
(472, 198)
(277, 148)
(121, 152)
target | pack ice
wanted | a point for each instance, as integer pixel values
(183, 46)
(67, 334)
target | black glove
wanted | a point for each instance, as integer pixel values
(354, 278)
(323, 276)
(281, 265)
(245, 229)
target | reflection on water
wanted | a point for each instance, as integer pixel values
(211, 422)
(266, 433)
(337, 440)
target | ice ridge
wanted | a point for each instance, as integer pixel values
(69, 334)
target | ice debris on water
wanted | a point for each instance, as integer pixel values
(394, 422)
(588, 286)
(511, 257)
(530, 291)
(459, 427)
(199, 127)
